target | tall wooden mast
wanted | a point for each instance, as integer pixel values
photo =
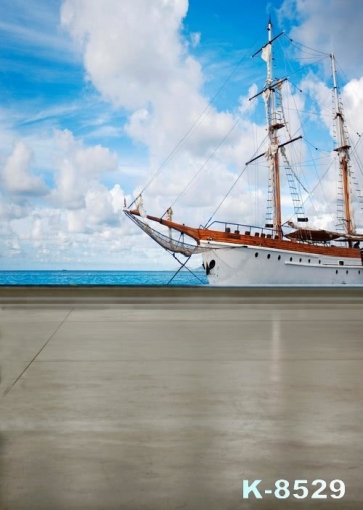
(273, 126)
(275, 120)
(343, 151)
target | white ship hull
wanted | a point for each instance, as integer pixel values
(238, 265)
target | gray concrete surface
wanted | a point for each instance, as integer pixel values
(168, 399)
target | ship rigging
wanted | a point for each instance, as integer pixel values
(287, 253)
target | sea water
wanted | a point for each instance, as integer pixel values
(102, 278)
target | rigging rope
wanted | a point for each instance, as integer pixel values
(297, 44)
(209, 157)
(310, 197)
(206, 112)
(199, 121)
(234, 184)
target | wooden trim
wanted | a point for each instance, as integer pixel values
(280, 244)
(251, 240)
(183, 229)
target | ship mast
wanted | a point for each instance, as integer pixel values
(273, 126)
(274, 123)
(343, 151)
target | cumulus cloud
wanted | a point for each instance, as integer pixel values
(101, 211)
(10, 210)
(137, 59)
(16, 176)
(352, 95)
(77, 167)
(130, 52)
(328, 25)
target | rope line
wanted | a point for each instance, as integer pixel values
(210, 157)
(199, 121)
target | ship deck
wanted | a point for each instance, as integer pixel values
(161, 398)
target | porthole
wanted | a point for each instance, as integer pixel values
(359, 272)
(212, 264)
(347, 271)
(336, 271)
(279, 257)
(256, 254)
(319, 261)
(290, 259)
(268, 256)
(300, 260)
(309, 261)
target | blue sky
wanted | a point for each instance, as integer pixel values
(95, 96)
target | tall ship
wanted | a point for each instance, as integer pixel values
(280, 251)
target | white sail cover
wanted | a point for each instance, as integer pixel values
(270, 154)
(140, 206)
(266, 52)
(266, 95)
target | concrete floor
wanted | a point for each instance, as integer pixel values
(169, 399)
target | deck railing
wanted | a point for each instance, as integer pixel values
(240, 228)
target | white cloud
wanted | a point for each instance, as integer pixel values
(78, 168)
(16, 177)
(100, 208)
(10, 210)
(353, 103)
(102, 212)
(130, 51)
(137, 58)
(328, 25)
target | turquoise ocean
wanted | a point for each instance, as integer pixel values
(102, 278)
